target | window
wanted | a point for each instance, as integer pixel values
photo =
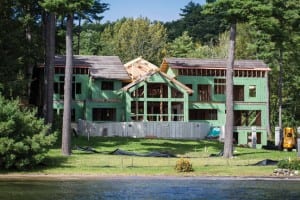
(104, 114)
(203, 114)
(59, 86)
(157, 111)
(219, 86)
(157, 90)
(247, 118)
(76, 89)
(73, 115)
(175, 93)
(137, 110)
(238, 93)
(107, 85)
(204, 92)
(252, 91)
(191, 87)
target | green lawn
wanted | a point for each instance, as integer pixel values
(197, 151)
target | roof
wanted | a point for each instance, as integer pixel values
(139, 67)
(108, 67)
(215, 64)
(150, 73)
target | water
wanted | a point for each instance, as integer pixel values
(150, 188)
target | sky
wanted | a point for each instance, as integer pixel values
(160, 10)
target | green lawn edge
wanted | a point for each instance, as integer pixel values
(198, 152)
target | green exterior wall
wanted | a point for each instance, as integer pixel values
(259, 102)
(92, 96)
(157, 78)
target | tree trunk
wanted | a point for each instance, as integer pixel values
(280, 90)
(46, 69)
(66, 132)
(228, 141)
(79, 31)
(50, 72)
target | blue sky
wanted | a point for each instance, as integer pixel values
(161, 10)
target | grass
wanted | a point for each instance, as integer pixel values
(197, 151)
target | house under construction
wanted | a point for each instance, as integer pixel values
(181, 89)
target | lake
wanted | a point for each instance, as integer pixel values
(149, 188)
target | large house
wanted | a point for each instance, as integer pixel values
(181, 89)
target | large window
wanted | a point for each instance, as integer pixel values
(104, 114)
(219, 85)
(203, 114)
(157, 90)
(59, 87)
(204, 92)
(137, 110)
(238, 93)
(247, 118)
(175, 93)
(138, 93)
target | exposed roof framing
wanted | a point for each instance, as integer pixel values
(108, 67)
(139, 67)
(147, 75)
(194, 63)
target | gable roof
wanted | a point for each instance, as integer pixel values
(150, 73)
(108, 67)
(139, 67)
(181, 63)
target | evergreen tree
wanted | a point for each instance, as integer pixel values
(235, 11)
(67, 8)
(24, 139)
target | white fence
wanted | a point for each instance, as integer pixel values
(184, 130)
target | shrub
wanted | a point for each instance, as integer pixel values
(24, 139)
(183, 165)
(289, 164)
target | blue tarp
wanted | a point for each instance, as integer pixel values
(214, 132)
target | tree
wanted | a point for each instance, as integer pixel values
(89, 15)
(24, 139)
(68, 8)
(204, 29)
(181, 46)
(49, 66)
(235, 11)
(20, 43)
(131, 38)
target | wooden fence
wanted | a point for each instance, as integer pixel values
(184, 130)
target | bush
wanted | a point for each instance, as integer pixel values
(24, 139)
(183, 165)
(289, 164)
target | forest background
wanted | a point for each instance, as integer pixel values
(275, 40)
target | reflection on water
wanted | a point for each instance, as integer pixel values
(141, 188)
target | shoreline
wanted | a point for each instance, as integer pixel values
(87, 177)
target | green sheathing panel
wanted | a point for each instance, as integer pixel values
(98, 93)
(258, 101)
(105, 93)
(78, 107)
(157, 78)
(220, 107)
(259, 83)
(118, 106)
(80, 87)
(80, 81)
